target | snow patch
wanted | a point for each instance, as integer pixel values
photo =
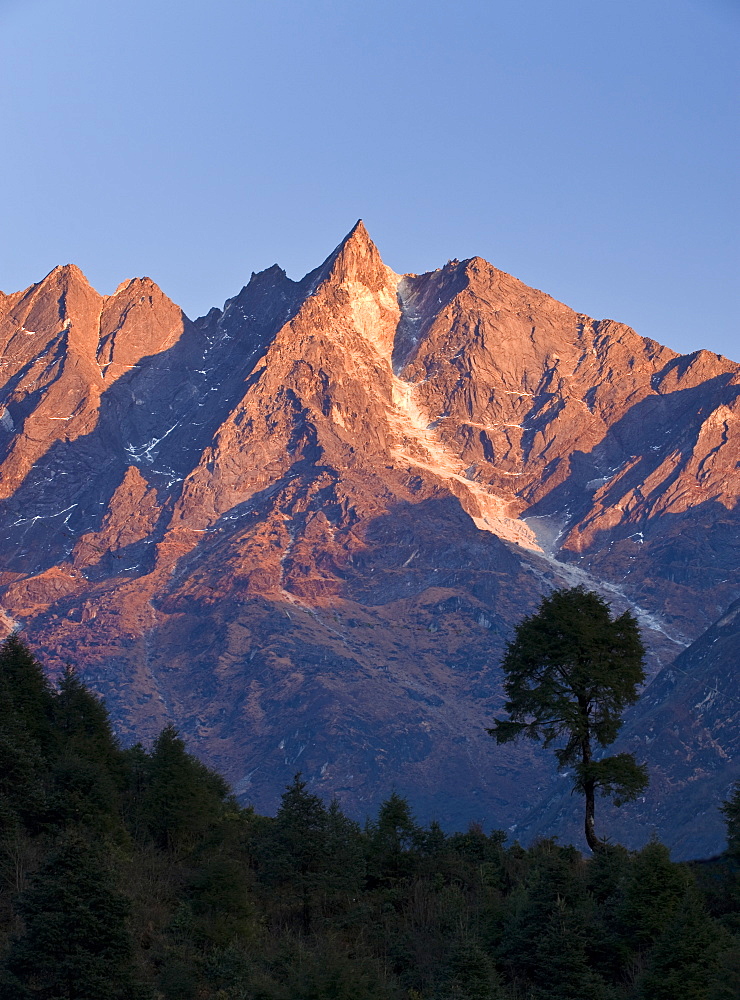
(419, 444)
(144, 452)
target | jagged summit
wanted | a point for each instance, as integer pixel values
(357, 237)
(143, 284)
(66, 273)
(357, 259)
(274, 271)
(303, 525)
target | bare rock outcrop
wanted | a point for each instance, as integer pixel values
(303, 526)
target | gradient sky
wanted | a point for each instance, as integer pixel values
(589, 147)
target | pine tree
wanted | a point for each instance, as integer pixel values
(294, 854)
(724, 983)
(88, 771)
(686, 957)
(547, 933)
(76, 944)
(136, 776)
(472, 975)
(26, 693)
(345, 865)
(83, 722)
(608, 876)
(23, 792)
(184, 799)
(221, 892)
(570, 672)
(563, 969)
(731, 810)
(393, 839)
(27, 738)
(653, 893)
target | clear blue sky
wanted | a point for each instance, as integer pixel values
(589, 147)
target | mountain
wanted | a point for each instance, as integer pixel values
(303, 527)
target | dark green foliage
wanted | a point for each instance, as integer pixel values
(83, 728)
(133, 873)
(22, 788)
(221, 900)
(325, 972)
(26, 737)
(571, 671)
(392, 841)
(563, 970)
(76, 942)
(653, 892)
(546, 939)
(731, 810)
(472, 974)
(719, 878)
(345, 864)
(686, 957)
(135, 766)
(608, 876)
(292, 855)
(87, 773)
(724, 982)
(25, 694)
(182, 799)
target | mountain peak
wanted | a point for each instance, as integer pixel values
(358, 232)
(63, 294)
(357, 259)
(65, 275)
(143, 284)
(357, 242)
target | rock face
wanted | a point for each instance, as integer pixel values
(303, 527)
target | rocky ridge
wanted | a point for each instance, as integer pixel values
(303, 526)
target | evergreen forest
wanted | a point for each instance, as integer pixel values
(134, 874)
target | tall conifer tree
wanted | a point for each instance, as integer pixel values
(26, 693)
(183, 798)
(570, 672)
(76, 945)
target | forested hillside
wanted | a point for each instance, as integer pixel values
(134, 873)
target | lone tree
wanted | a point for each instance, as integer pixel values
(571, 670)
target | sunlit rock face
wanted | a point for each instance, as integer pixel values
(303, 527)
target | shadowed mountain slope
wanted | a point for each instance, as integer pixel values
(303, 527)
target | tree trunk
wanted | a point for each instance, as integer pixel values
(593, 841)
(589, 790)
